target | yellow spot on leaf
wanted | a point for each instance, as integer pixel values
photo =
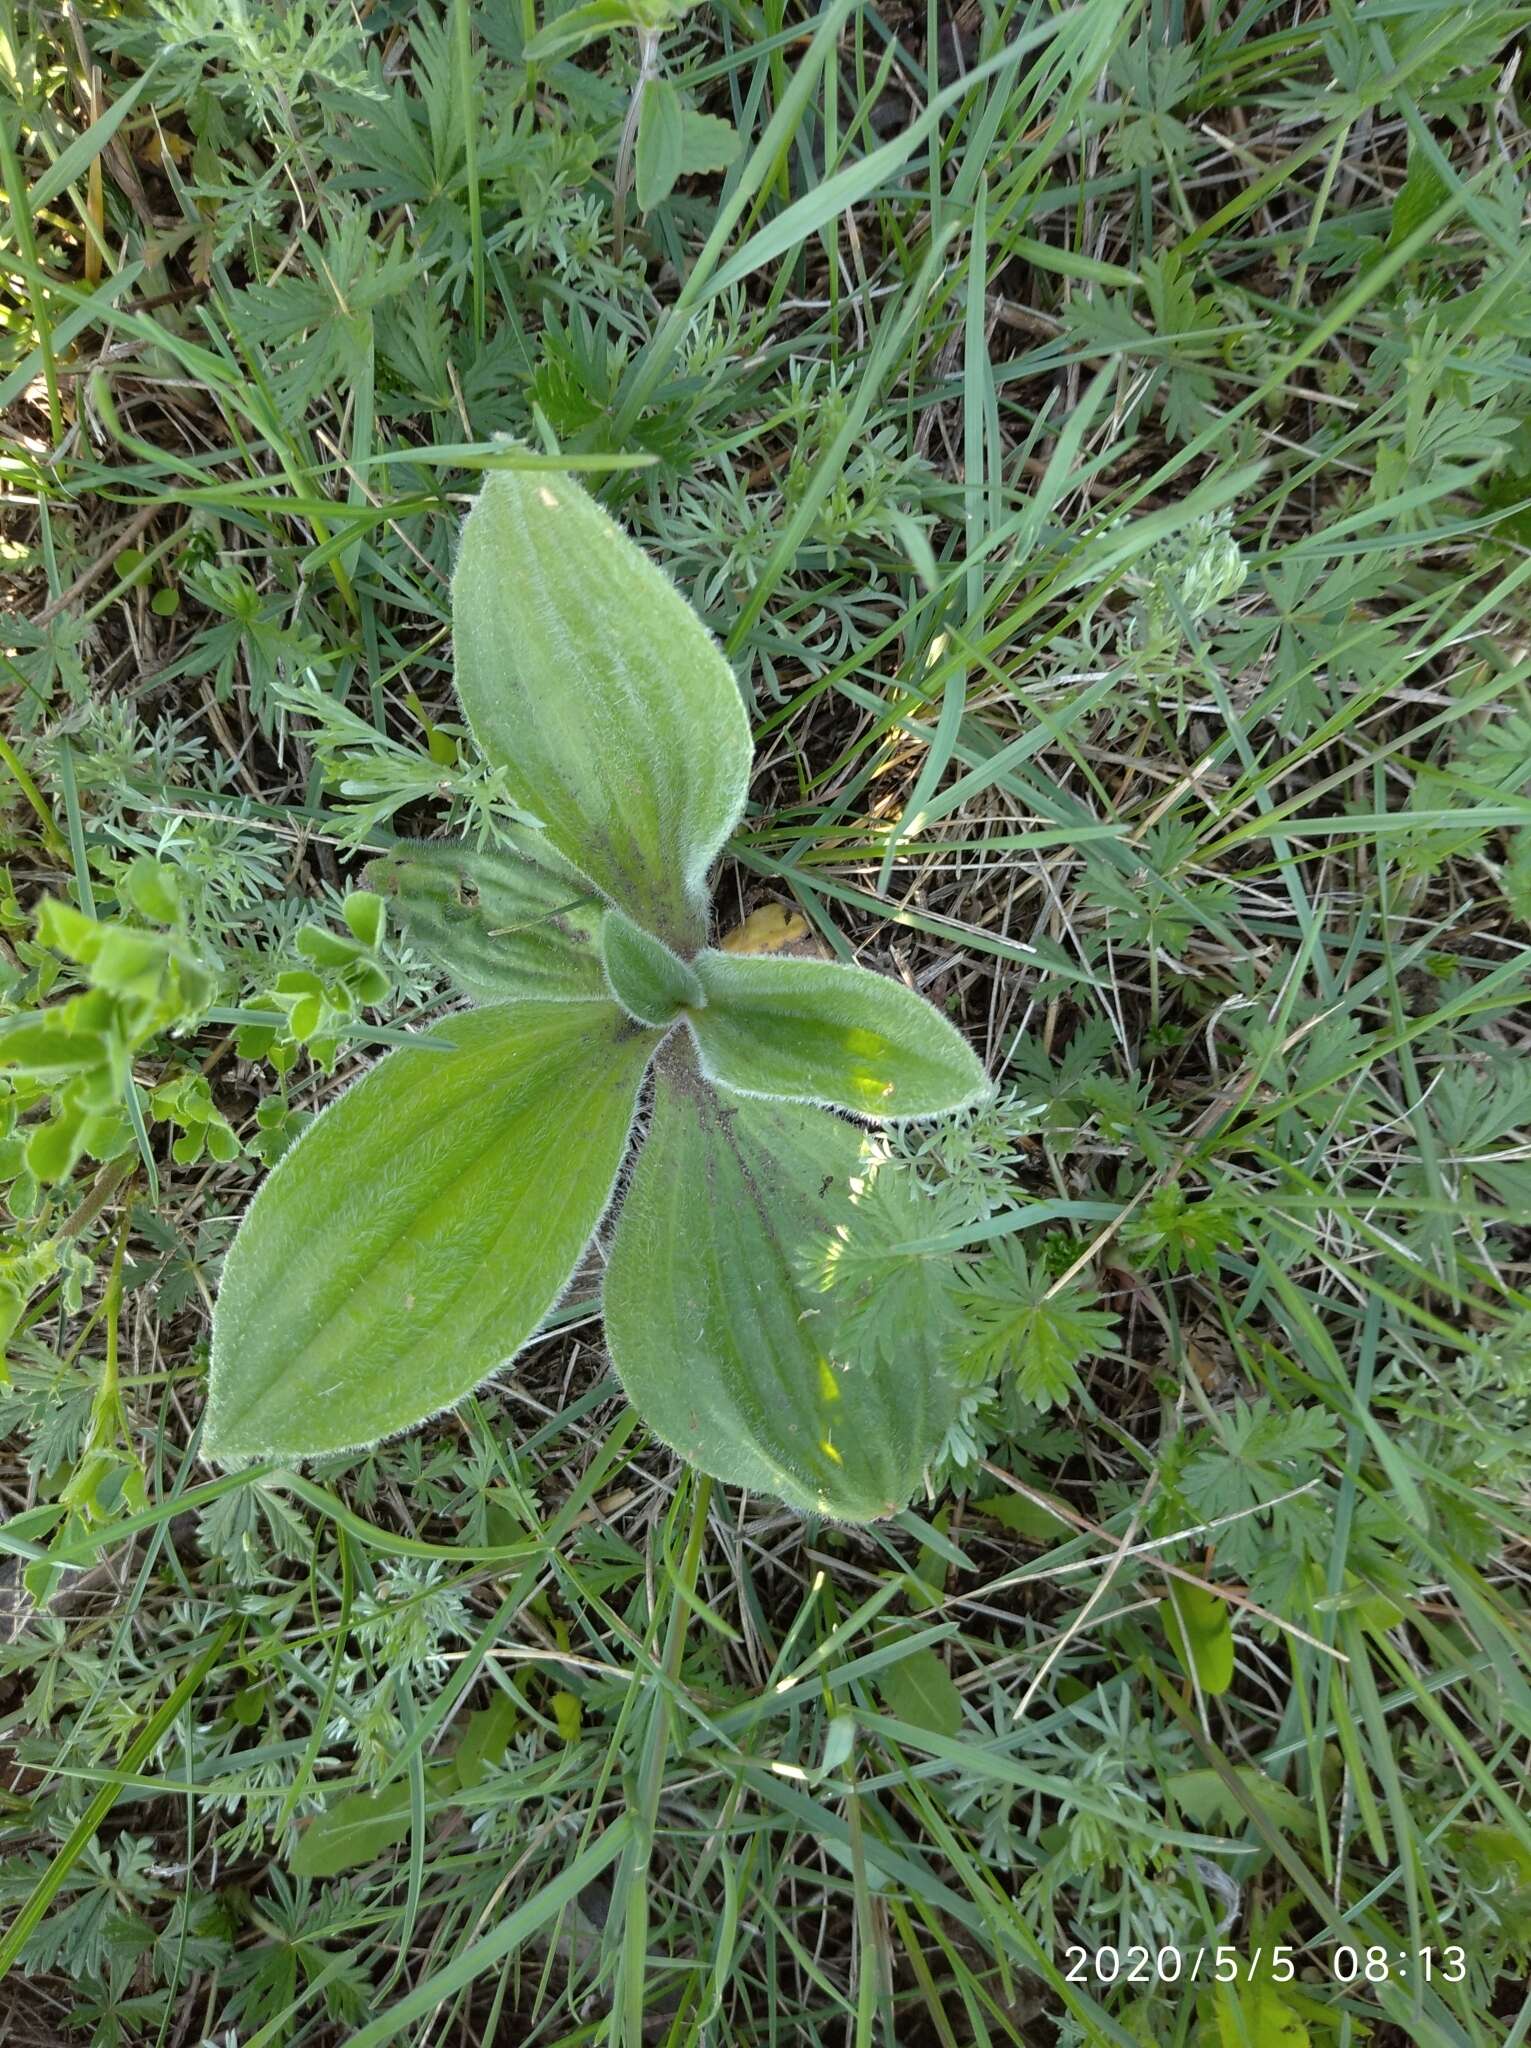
(547, 496)
(871, 1045)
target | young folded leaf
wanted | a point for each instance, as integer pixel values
(721, 1348)
(646, 978)
(594, 686)
(502, 921)
(817, 1031)
(419, 1231)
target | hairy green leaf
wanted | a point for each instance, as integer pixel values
(646, 978)
(816, 1031)
(502, 921)
(416, 1235)
(594, 686)
(725, 1353)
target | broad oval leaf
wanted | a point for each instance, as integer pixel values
(650, 982)
(355, 1830)
(660, 155)
(421, 1228)
(817, 1031)
(722, 1348)
(707, 142)
(502, 921)
(919, 1689)
(590, 681)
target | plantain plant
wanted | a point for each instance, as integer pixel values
(421, 1230)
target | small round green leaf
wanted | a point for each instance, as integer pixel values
(363, 913)
(153, 890)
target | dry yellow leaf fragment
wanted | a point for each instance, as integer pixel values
(770, 929)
